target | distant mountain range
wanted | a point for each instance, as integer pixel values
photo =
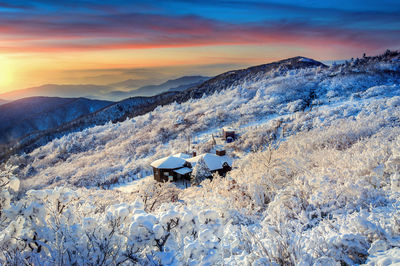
(113, 92)
(23, 117)
(2, 101)
(131, 107)
(55, 90)
(179, 84)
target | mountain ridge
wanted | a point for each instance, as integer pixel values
(104, 92)
(31, 114)
(150, 90)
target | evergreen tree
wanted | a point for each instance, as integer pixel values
(200, 172)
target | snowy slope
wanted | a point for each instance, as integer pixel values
(315, 181)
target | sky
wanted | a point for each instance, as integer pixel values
(102, 42)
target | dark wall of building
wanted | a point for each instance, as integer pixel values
(161, 175)
(227, 134)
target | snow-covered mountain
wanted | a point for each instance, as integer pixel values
(315, 176)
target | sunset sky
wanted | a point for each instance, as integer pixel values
(100, 42)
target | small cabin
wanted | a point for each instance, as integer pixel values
(215, 163)
(171, 168)
(228, 134)
(220, 150)
(180, 166)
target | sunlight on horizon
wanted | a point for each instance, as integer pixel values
(6, 74)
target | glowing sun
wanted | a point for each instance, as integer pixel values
(6, 74)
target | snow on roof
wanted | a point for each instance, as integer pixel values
(182, 155)
(170, 162)
(219, 147)
(183, 170)
(228, 129)
(213, 162)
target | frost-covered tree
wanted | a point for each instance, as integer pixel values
(200, 172)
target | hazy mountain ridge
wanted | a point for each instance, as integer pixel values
(55, 90)
(178, 84)
(113, 92)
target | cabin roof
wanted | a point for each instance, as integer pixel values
(228, 129)
(170, 162)
(213, 162)
(182, 155)
(219, 148)
(183, 171)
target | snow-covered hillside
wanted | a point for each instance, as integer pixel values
(315, 181)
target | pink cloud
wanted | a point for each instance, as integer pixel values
(138, 31)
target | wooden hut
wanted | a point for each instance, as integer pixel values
(166, 169)
(220, 151)
(215, 163)
(228, 134)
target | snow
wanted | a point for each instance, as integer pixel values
(395, 182)
(14, 184)
(183, 170)
(182, 155)
(134, 185)
(385, 258)
(228, 129)
(304, 59)
(213, 162)
(170, 162)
